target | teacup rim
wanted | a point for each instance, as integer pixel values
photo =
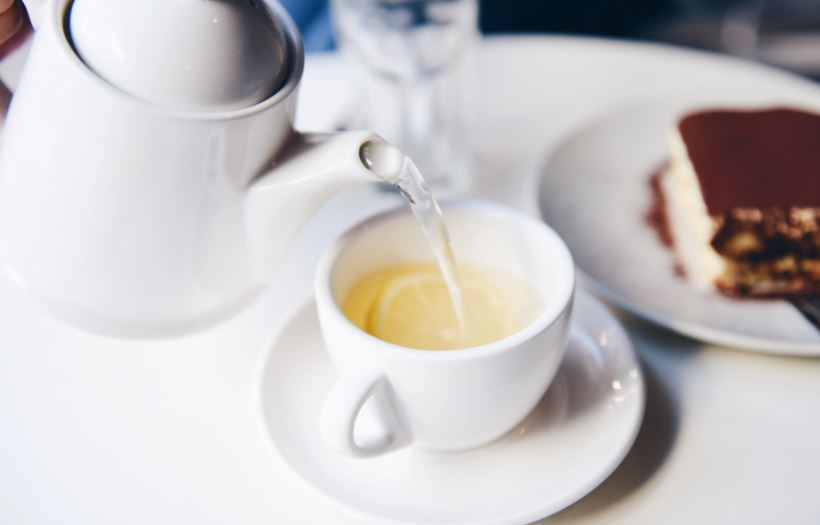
(564, 293)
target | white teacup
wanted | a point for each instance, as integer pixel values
(389, 396)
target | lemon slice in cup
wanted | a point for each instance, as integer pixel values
(414, 310)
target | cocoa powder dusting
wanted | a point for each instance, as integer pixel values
(656, 216)
(658, 219)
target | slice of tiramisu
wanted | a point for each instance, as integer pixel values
(742, 194)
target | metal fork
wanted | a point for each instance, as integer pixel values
(809, 307)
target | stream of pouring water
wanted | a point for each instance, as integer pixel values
(395, 167)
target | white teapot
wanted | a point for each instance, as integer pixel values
(150, 175)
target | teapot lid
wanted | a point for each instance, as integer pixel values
(197, 55)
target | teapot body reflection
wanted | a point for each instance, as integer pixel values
(136, 217)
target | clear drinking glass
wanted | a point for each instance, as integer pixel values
(784, 33)
(411, 60)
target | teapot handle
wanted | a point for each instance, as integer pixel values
(11, 64)
(36, 11)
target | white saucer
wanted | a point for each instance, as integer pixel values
(570, 443)
(595, 193)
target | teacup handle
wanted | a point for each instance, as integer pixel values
(343, 409)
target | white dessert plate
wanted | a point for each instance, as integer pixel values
(595, 193)
(569, 444)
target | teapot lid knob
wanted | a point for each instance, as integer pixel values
(196, 55)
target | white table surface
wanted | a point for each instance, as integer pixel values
(96, 431)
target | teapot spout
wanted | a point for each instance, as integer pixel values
(313, 167)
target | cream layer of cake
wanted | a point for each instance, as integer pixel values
(691, 226)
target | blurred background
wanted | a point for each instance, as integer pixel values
(411, 60)
(784, 33)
